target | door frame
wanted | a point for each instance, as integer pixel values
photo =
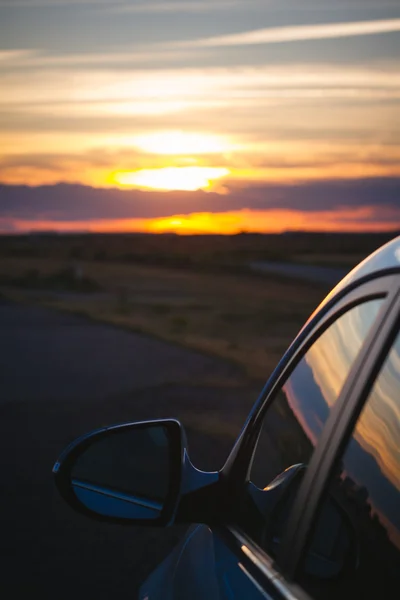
(384, 284)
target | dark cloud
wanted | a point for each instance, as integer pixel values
(64, 202)
(323, 195)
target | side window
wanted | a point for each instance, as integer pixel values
(360, 556)
(294, 421)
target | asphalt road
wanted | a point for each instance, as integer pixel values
(316, 274)
(59, 377)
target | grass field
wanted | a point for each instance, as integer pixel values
(250, 320)
(195, 291)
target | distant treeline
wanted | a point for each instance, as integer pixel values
(197, 251)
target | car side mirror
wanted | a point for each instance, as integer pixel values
(272, 505)
(134, 473)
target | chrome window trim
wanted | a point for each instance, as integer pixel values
(265, 566)
(254, 581)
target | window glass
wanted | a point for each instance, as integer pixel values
(294, 421)
(360, 557)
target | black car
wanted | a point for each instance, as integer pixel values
(308, 502)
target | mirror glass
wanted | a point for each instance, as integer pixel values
(124, 473)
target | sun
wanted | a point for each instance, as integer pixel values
(181, 143)
(172, 178)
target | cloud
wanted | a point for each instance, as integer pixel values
(68, 203)
(296, 120)
(96, 159)
(39, 60)
(296, 33)
(302, 115)
(285, 155)
(121, 6)
(48, 3)
(172, 7)
(202, 5)
(211, 84)
(16, 56)
(268, 221)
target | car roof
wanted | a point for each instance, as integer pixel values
(385, 258)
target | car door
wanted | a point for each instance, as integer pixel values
(282, 440)
(363, 479)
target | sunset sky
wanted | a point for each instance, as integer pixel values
(199, 115)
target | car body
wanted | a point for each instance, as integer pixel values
(308, 502)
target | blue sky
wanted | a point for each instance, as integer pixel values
(101, 26)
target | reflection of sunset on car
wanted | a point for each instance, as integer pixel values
(379, 427)
(326, 367)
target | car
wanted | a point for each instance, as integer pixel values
(307, 504)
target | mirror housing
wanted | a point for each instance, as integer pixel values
(135, 473)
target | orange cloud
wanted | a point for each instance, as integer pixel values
(262, 221)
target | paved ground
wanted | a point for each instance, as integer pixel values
(324, 275)
(59, 377)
